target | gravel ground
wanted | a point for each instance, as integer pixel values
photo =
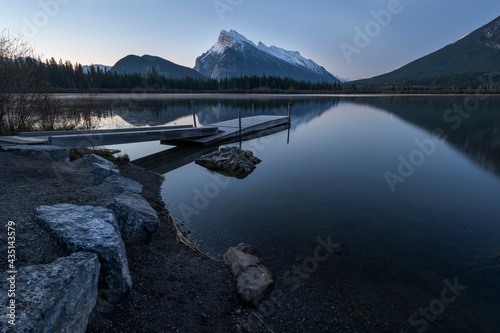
(174, 289)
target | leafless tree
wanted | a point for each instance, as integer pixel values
(23, 91)
(26, 102)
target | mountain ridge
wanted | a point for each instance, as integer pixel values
(477, 52)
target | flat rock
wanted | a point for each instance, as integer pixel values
(56, 297)
(92, 229)
(123, 184)
(55, 153)
(230, 161)
(254, 280)
(136, 218)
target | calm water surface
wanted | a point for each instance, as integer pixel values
(409, 213)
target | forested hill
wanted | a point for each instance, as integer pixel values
(458, 65)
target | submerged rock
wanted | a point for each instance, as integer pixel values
(55, 153)
(230, 161)
(136, 218)
(91, 229)
(56, 297)
(254, 280)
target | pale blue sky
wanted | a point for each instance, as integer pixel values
(104, 31)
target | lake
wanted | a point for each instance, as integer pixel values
(402, 192)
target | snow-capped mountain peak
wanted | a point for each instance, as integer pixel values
(229, 39)
(235, 55)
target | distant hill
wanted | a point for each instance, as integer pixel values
(476, 53)
(104, 68)
(233, 55)
(142, 65)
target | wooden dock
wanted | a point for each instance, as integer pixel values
(229, 131)
(206, 136)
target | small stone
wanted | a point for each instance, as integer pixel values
(254, 280)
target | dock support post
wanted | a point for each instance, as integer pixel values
(239, 121)
(289, 125)
(192, 110)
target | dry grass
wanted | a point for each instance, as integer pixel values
(184, 238)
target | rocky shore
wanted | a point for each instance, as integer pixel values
(173, 289)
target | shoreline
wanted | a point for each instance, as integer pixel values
(265, 92)
(173, 288)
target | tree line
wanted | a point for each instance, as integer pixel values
(64, 75)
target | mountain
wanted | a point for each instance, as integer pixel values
(103, 68)
(235, 55)
(135, 64)
(477, 52)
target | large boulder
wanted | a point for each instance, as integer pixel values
(230, 161)
(254, 280)
(56, 297)
(92, 229)
(101, 168)
(136, 218)
(55, 153)
(123, 184)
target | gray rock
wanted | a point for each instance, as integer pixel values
(123, 184)
(230, 161)
(101, 168)
(56, 297)
(254, 280)
(55, 153)
(136, 218)
(101, 171)
(93, 158)
(92, 229)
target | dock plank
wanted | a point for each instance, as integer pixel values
(17, 140)
(114, 138)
